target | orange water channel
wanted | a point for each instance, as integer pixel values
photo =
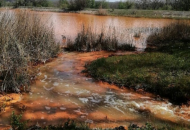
(63, 92)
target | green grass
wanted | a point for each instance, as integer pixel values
(16, 122)
(164, 70)
(164, 74)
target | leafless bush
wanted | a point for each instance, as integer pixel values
(24, 39)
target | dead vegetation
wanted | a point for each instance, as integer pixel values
(24, 40)
(89, 40)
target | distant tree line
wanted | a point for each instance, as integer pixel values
(81, 4)
(17, 3)
(182, 5)
(2, 3)
(37, 3)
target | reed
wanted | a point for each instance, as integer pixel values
(172, 33)
(102, 12)
(88, 40)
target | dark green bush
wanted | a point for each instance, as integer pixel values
(16, 122)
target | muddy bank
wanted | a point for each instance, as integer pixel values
(140, 13)
(158, 14)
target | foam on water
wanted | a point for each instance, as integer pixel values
(81, 91)
(84, 100)
(47, 108)
(55, 84)
(48, 89)
(62, 108)
(89, 121)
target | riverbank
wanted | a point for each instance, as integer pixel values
(168, 14)
(164, 14)
(155, 72)
(40, 9)
(139, 13)
(63, 92)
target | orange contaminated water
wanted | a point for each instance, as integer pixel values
(63, 92)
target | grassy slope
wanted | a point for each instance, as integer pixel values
(161, 73)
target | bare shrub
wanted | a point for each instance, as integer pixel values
(24, 38)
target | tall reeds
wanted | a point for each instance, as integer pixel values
(175, 32)
(88, 40)
(24, 39)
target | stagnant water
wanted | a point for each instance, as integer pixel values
(125, 28)
(63, 92)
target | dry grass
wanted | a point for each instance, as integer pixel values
(88, 40)
(102, 12)
(24, 39)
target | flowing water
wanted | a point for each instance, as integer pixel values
(63, 92)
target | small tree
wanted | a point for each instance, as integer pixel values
(18, 3)
(2, 3)
(77, 4)
(121, 5)
(90, 3)
(128, 5)
(181, 5)
(63, 4)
